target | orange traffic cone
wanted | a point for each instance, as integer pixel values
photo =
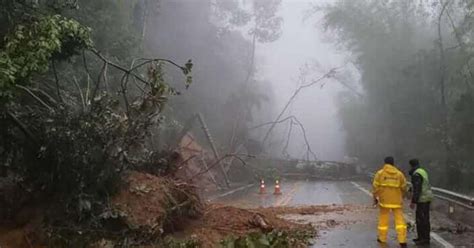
(277, 188)
(262, 187)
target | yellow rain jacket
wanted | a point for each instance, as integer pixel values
(389, 186)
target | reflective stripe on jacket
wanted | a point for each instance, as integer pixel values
(389, 185)
(425, 195)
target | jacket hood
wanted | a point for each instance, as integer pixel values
(390, 169)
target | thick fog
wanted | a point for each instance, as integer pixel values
(286, 57)
(222, 53)
(303, 41)
(211, 92)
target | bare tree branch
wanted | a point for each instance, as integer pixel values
(218, 161)
(120, 68)
(295, 121)
(106, 81)
(84, 63)
(147, 61)
(123, 86)
(56, 79)
(211, 176)
(88, 74)
(252, 60)
(185, 162)
(135, 80)
(130, 71)
(329, 74)
(138, 86)
(97, 85)
(81, 94)
(442, 84)
(350, 88)
(42, 92)
(308, 147)
(27, 90)
(273, 122)
(22, 127)
(285, 148)
(442, 55)
(462, 46)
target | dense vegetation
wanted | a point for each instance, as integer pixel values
(90, 89)
(415, 61)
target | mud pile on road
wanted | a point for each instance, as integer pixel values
(307, 210)
(150, 211)
(160, 207)
(221, 224)
(157, 207)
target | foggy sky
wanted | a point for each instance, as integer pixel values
(279, 62)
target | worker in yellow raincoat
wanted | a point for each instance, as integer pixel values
(388, 188)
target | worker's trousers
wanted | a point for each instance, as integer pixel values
(400, 225)
(423, 220)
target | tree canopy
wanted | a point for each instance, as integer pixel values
(414, 60)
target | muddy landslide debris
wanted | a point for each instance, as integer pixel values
(152, 208)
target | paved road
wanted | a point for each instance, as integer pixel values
(360, 226)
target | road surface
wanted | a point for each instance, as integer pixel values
(359, 228)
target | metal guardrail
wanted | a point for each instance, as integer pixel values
(457, 198)
(450, 196)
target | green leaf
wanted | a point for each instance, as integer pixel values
(264, 240)
(249, 242)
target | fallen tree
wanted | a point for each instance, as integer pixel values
(78, 163)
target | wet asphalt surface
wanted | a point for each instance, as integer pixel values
(358, 227)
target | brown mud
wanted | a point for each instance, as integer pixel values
(166, 207)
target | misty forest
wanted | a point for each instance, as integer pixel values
(120, 118)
